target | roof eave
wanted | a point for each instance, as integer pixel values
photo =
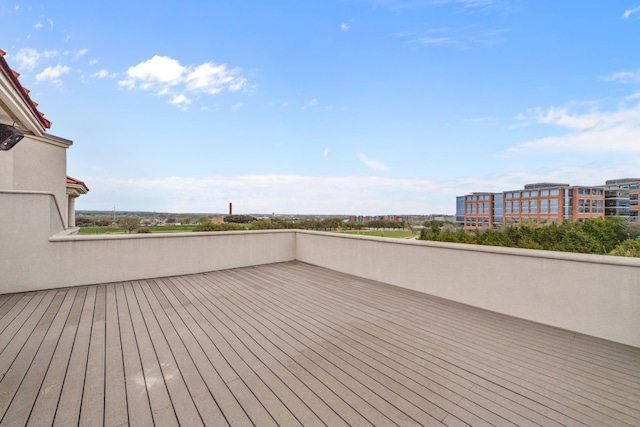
(14, 99)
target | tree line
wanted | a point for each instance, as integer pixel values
(611, 235)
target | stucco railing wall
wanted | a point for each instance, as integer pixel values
(37, 255)
(590, 294)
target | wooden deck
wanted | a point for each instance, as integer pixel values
(291, 344)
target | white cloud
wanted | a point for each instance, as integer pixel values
(50, 21)
(276, 193)
(237, 106)
(52, 73)
(158, 71)
(373, 164)
(93, 62)
(591, 131)
(103, 74)
(625, 77)
(326, 152)
(311, 103)
(344, 27)
(300, 194)
(465, 3)
(181, 101)
(166, 76)
(212, 78)
(627, 13)
(38, 25)
(28, 59)
(434, 40)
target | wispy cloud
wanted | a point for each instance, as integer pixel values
(50, 21)
(373, 164)
(78, 53)
(434, 41)
(52, 74)
(413, 4)
(104, 74)
(310, 104)
(589, 131)
(28, 59)
(627, 13)
(326, 152)
(625, 77)
(465, 3)
(166, 76)
(38, 25)
(459, 37)
(237, 106)
(344, 26)
(181, 101)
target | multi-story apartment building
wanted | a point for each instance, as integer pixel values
(548, 202)
(621, 198)
(478, 210)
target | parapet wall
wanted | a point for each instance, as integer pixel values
(591, 294)
(594, 295)
(38, 254)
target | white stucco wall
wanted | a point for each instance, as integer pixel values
(37, 164)
(34, 258)
(591, 294)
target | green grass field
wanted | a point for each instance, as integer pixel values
(397, 234)
(154, 229)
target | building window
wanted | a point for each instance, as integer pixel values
(553, 205)
(544, 206)
(525, 207)
(580, 205)
(508, 207)
(544, 192)
(534, 206)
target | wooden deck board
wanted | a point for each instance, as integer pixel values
(294, 344)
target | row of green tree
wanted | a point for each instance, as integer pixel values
(324, 224)
(611, 235)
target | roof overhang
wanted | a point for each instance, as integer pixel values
(16, 107)
(75, 187)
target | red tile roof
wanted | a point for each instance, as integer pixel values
(74, 181)
(24, 92)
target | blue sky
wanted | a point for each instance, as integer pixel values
(333, 106)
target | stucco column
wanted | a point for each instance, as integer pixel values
(71, 210)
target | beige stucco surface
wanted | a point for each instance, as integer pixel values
(37, 164)
(591, 294)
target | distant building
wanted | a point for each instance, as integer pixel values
(548, 202)
(621, 198)
(367, 218)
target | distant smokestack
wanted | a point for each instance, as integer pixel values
(230, 208)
